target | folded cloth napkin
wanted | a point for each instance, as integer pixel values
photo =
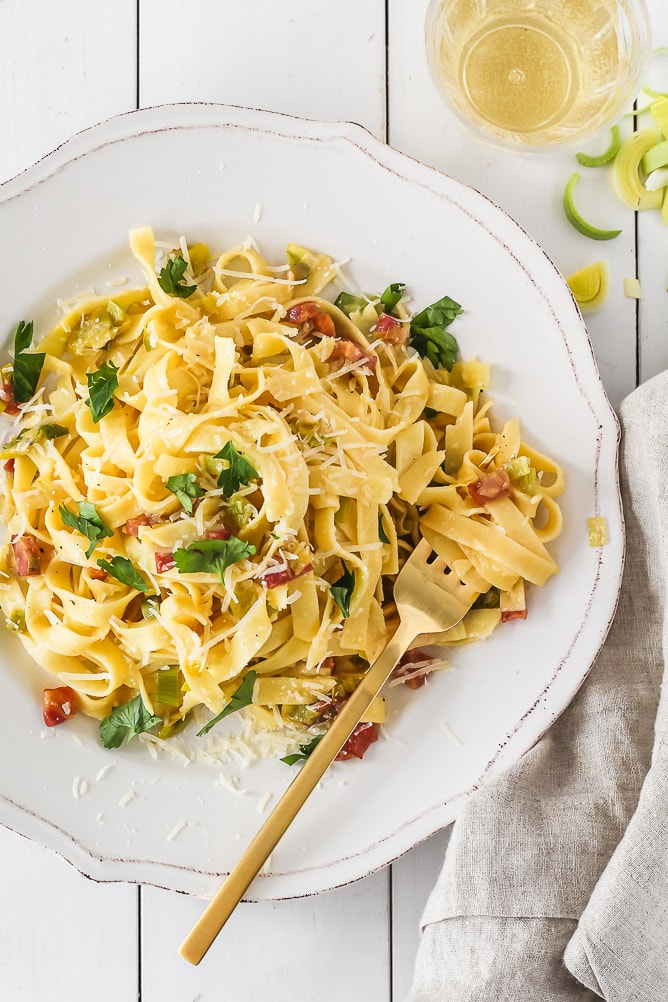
(555, 881)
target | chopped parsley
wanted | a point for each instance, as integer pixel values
(125, 722)
(27, 364)
(382, 535)
(238, 472)
(87, 522)
(171, 278)
(304, 751)
(243, 696)
(428, 334)
(185, 487)
(102, 384)
(124, 571)
(212, 556)
(342, 591)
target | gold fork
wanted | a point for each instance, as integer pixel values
(429, 599)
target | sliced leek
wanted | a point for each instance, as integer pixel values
(657, 179)
(576, 220)
(169, 682)
(656, 157)
(632, 289)
(597, 529)
(626, 170)
(603, 158)
(590, 286)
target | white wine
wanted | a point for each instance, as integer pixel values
(520, 77)
(533, 71)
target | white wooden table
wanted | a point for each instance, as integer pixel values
(66, 64)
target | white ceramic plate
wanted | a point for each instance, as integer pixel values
(220, 174)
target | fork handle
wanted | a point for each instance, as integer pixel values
(230, 894)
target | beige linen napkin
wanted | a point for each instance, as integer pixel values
(555, 881)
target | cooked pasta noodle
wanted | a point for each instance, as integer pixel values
(222, 471)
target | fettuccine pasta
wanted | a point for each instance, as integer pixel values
(216, 477)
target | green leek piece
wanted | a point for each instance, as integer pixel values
(29, 437)
(116, 312)
(523, 475)
(150, 606)
(597, 530)
(530, 484)
(212, 466)
(590, 287)
(241, 511)
(657, 179)
(603, 158)
(16, 621)
(300, 260)
(626, 169)
(199, 255)
(348, 303)
(655, 157)
(168, 691)
(517, 467)
(576, 219)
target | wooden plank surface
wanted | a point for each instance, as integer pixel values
(319, 60)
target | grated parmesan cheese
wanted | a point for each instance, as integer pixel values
(262, 802)
(79, 787)
(176, 830)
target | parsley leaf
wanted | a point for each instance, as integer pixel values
(171, 281)
(87, 522)
(239, 471)
(243, 696)
(382, 535)
(342, 591)
(393, 293)
(185, 486)
(23, 336)
(429, 336)
(27, 364)
(124, 571)
(51, 431)
(126, 721)
(304, 751)
(212, 556)
(102, 385)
